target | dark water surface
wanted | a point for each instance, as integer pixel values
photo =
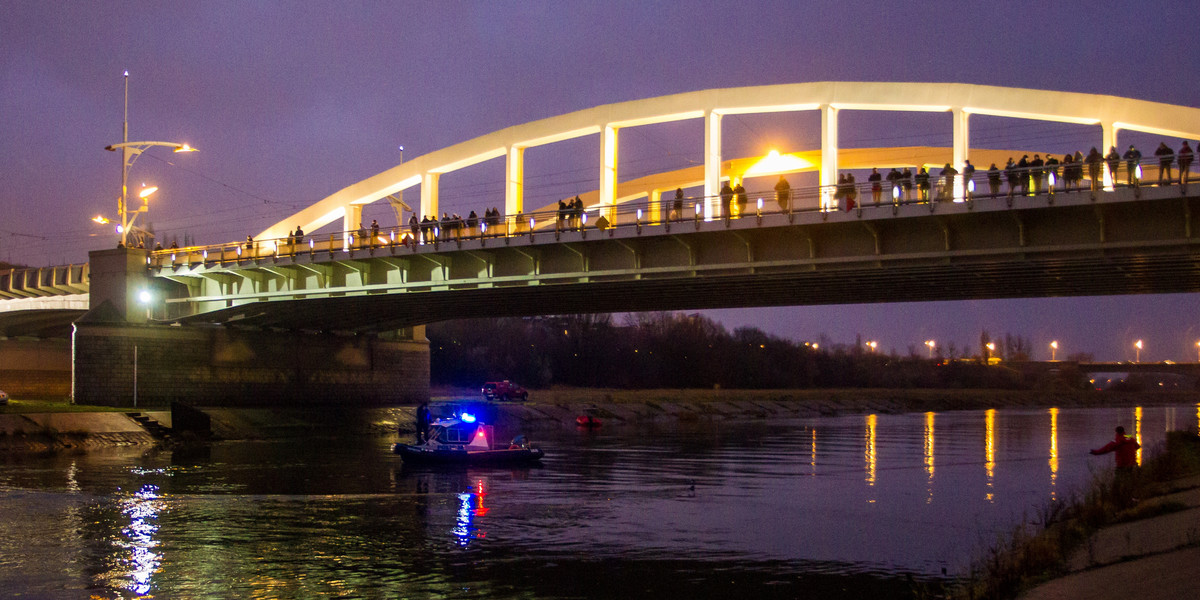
(860, 506)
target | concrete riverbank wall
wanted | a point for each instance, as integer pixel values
(134, 365)
(35, 368)
(549, 409)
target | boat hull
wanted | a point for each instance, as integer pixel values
(508, 456)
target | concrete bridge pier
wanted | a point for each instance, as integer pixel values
(120, 358)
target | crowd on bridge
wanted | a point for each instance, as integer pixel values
(1025, 176)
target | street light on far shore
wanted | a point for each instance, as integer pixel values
(1138, 353)
(930, 344)
(1053, 349)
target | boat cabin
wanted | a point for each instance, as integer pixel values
(460, 434)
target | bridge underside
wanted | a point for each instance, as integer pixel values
(1073, 247)
(38, 324)
(1024, 277)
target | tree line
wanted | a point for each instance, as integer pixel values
(676, 350)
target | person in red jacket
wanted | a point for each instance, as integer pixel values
(1126, 449)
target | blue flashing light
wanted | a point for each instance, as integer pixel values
(467, 417)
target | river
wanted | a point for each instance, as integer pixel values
(833, 507)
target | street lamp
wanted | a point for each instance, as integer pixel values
(991, 347)
(872, 345)
(930, 344)
(1053, 349)
(129, 153)
(1198, 351)
(1138, 354)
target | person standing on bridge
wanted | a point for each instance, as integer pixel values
(739, 196)
(1093, 160)
(1070, 177)
(1024, 174)
(968, 174)
(414, 228)
(907, 180)
(893, 179)
(923, 185)
(1125, 448)
(783, 194)
(1185, 162)
(1113, 160)
(1051, 171)
(948, 177)
(1036, 173)
(1166, 158)
(876, 185)
(993, 176)
(299, 235)
(726, 200)
(677, 206)
(1133, 158)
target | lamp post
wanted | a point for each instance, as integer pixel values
(129, 153)
(1198, 351)
(1138, 352)
(1053, 349)
(930, 344)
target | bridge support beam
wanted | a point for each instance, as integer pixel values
(962, 147)
(1108, 141)
(514, 184)
(608, 173)
(712, 164)
(829, 155)
(429, 194)
(352, 220)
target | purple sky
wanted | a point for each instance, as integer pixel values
(291, 101)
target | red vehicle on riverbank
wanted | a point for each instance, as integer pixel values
(504, 390)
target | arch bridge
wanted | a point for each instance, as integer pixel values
(960, 240)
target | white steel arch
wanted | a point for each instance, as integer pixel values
(1112, 113)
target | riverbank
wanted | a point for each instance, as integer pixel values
(70, 427)
(1099, 546)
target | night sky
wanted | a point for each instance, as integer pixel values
(289, 102)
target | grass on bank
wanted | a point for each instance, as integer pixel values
(21, 406)
(1038, 552)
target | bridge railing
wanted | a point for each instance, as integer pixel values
(43, 281)
(1000, 184)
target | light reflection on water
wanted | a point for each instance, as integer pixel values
(142, 508)
(775, 504)
(1053, 453)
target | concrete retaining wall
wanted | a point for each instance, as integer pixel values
(35, 368)
(228, 367)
